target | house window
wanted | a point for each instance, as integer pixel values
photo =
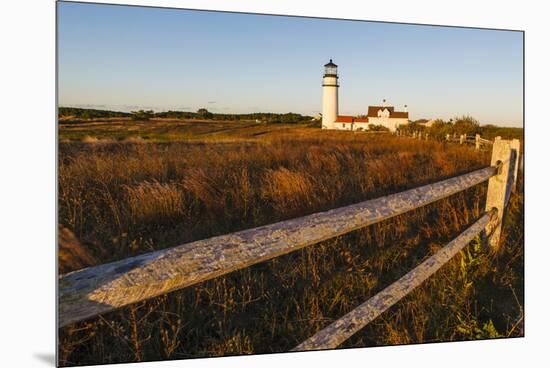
(343, 125)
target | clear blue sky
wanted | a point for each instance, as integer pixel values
(127, 58)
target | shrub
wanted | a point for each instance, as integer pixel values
(142, 115)
(466, 125)
(378, 128)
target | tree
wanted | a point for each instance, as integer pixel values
(440, 129)
(204, 113)
(466, 125)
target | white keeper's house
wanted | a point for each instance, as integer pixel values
(377, 115)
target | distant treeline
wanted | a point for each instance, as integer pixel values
(80, 113)
(462, 125)
(91, 113)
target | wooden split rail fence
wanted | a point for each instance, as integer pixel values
(477, 140)
(95, 290)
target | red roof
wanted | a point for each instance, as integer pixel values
(373, 112)
(351, 119)
(400, 114)
(344, 119)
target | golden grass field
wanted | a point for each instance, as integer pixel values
(128, 187)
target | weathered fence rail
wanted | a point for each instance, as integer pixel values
(340, 330)
(91, 291)
(95, 290)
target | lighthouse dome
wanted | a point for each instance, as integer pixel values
(330, 63)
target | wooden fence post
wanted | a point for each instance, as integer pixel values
(461, 138)
(499, 186)
(448, 137)
(478, 141)
(521, 163)
(427, 135)
(516, 147)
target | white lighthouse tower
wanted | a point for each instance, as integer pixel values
(330, 95)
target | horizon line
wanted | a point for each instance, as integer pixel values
(137, 108)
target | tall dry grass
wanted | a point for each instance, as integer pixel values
(122, 199)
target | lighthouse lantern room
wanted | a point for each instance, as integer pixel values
(330, 95)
